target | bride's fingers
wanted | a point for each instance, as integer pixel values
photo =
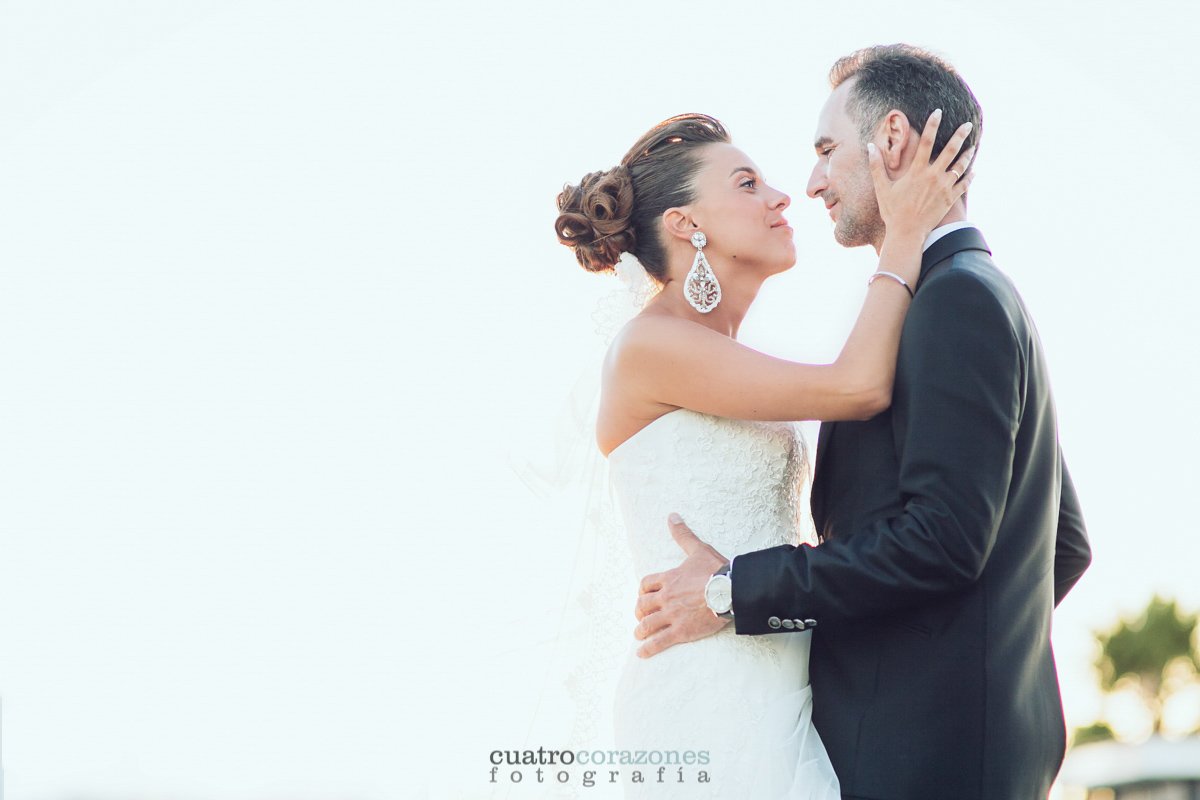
(958, 177)
(928, 137)
(963, 162)
(961, 187)
(953, 146)
(961, 173)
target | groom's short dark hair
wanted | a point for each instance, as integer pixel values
(911, 80)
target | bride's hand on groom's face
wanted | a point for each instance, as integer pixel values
(671, 608)
(915, 203)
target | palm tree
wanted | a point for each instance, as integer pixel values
(1096, 732)
(1146, 651)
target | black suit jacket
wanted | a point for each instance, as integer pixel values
(950, 529)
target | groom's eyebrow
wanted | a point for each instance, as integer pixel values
(822, 142)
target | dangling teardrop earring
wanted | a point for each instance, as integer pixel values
(701, 287)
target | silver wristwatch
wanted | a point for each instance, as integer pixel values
(718, 593)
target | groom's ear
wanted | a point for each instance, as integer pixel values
(896, 141)
(679, 223)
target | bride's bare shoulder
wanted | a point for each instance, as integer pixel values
(629, 392)
(653, 334)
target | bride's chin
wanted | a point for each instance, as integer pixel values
(775, 264)
(785, 265)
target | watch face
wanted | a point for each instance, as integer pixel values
(719, 594)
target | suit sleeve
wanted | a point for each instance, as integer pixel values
(955, 413)
(1072, 552)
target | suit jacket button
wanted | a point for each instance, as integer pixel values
(774, 623)
(811, 623)
(787, 623)
(800, 625)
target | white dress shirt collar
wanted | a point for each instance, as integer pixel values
(949, 227)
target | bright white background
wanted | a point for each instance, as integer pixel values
(281, 308)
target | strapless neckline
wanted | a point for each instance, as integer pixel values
(739, 480)
(637, 434)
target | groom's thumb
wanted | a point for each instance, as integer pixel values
(683, 534)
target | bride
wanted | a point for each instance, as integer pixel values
(693, 422)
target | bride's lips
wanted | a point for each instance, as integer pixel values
(783, 224)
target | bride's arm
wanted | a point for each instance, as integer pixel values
(679, 363)
(682, 364)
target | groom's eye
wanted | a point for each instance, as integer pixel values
(826, 151)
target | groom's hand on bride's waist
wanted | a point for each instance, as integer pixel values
(671, 607)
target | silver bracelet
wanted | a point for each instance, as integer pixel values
(893, 276)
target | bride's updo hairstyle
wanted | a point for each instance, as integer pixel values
(620, 210)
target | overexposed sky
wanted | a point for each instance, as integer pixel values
(282, 314)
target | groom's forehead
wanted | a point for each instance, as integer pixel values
(833, 119)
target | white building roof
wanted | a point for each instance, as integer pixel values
(1115, 764)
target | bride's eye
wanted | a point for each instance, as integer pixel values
(749, 183)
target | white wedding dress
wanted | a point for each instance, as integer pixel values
(744, 700)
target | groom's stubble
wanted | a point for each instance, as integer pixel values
(859, 222)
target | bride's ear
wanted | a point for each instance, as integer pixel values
(679, 223)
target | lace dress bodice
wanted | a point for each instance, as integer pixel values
(744, 700)
(737, 483)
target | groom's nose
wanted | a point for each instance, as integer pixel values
(818, 181)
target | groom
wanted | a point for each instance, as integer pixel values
(949, 524)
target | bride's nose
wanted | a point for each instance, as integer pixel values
(781, 201)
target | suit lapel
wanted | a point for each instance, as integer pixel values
(823, 438)
(816, 498)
